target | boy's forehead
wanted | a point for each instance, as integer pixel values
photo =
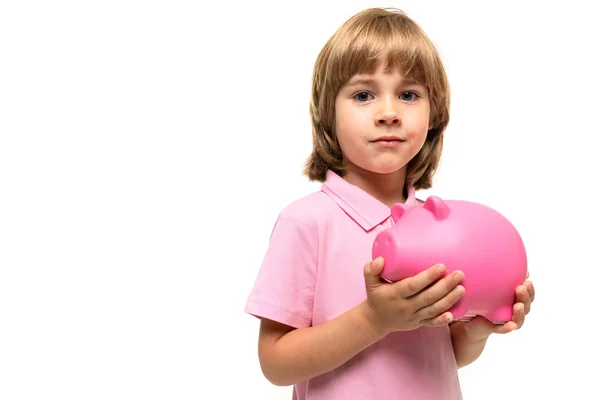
(387, 66)
(370, 77)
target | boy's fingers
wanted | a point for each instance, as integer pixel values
(506, 328)
(519, 314)
(531, 290)
(410, 286)
(523, 297)
(440, 306)
(372, 270)
(440, 320)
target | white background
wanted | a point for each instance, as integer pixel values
(146, 149)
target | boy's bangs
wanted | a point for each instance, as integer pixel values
(364, 53)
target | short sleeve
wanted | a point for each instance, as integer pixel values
(284, 288)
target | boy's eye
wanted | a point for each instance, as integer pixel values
(362, 96)
(409, 97)
(366, 96)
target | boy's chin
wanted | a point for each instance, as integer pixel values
(387, 169)
(378, 168)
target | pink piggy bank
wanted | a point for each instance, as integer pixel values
(464, 236)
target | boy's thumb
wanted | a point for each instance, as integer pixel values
(372, 271)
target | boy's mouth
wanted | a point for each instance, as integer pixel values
(388, 141)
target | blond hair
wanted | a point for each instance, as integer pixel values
(357, 47)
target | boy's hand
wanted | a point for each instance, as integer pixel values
(480, 328)
(412, 302)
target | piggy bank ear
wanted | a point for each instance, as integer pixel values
(398, 210)
(437, 207)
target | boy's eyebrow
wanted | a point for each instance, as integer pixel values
(371, 81)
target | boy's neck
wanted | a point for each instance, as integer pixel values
(387, 188)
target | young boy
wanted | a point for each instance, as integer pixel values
(329, 325)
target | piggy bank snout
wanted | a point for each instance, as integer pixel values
(386, 246)
(383, 245)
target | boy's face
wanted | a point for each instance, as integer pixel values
(381, 121)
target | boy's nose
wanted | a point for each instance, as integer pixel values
(388, 115)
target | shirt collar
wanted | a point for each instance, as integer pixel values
(363, 208)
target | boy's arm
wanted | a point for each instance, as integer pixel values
(469, 338)
(288, 355)
(466, 348)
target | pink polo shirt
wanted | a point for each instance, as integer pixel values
(313, 272)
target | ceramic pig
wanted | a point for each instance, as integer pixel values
(462, 235)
